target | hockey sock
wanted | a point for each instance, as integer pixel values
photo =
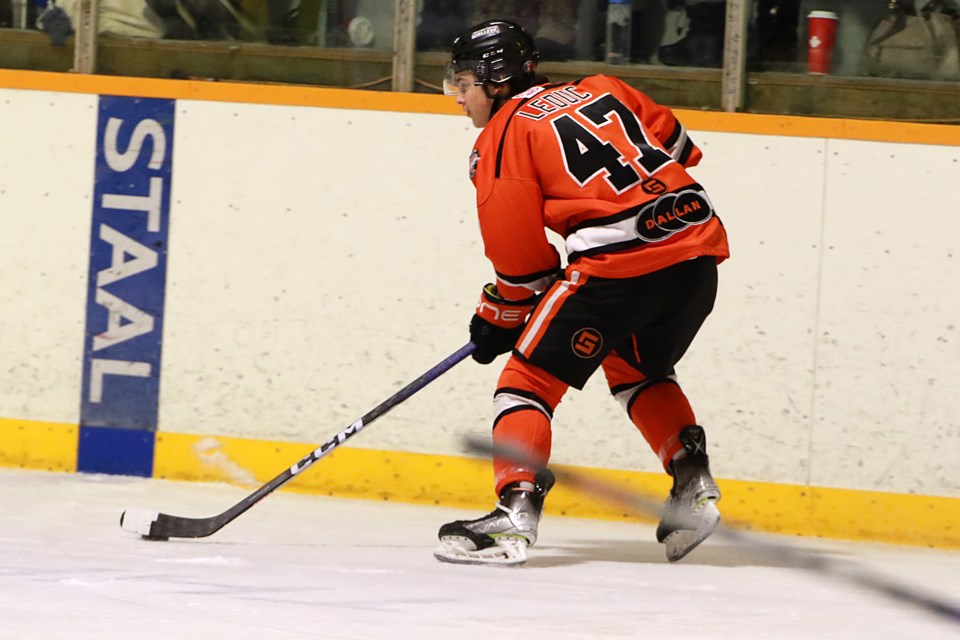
(527, 432)
(524, 403)
(660, 411)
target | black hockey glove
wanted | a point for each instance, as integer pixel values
(497, 324)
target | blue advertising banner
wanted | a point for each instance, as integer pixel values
(125, 294)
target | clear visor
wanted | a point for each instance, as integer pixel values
(450, 87)
(454, 86)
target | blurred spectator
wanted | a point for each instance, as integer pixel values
(702, 46)
(203, 19)
(553, 22)
(283, 21)
(915, 40)
(276, 21)
(526, 13)
(776, 36)
(125, 18)
(55, 22)
(21, 14)
(6, 14)
(556, 34)
(440, 22)
(172, 19)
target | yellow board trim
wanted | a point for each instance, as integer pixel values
(48, 446)
(466, 483)
(310, 96)
(237, 92)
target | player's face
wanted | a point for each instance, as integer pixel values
(472, 98)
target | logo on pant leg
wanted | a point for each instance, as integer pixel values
(586, 343)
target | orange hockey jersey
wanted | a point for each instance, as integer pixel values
(603, 166)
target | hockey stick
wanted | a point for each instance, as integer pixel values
(161, 526)
(735, 534)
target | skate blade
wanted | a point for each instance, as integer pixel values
(508, 552)
(683, 541)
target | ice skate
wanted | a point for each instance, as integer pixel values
(502, 536)
(690, 514)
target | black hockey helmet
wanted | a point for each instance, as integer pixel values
(496, 51)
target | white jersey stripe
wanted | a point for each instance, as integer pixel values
(592, 237)
(679, 145)
(654, 221)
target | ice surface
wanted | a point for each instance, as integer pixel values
(298, 566)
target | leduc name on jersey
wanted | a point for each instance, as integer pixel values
(602, 165)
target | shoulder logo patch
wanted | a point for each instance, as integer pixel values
(474, 160)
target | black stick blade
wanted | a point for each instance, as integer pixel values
(152, 525)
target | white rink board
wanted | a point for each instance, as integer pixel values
(322, 258)
(889, 350)
(46, 185)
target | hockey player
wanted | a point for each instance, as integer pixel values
(603, 166)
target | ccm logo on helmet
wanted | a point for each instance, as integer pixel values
(586, 343)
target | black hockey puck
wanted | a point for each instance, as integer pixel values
(148, 537)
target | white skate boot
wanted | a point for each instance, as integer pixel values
(502, 536)
(690, 514)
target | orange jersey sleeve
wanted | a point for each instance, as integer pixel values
(603, 166)
(510, 211)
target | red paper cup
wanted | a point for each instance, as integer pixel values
(822, 26)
